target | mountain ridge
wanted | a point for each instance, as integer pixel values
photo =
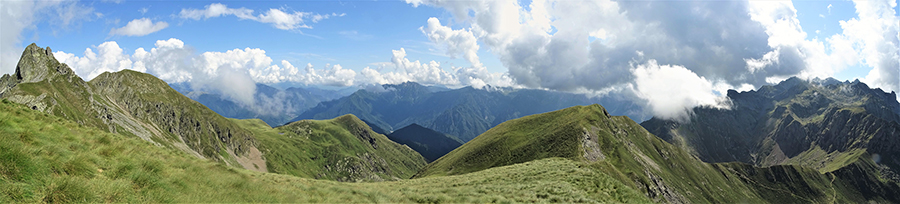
(620, 148)
(114, 103)
(464, 112)
(140, 105)
(274, 106)
(821, 124)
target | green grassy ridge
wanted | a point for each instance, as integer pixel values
(146, 105)
(149, 108)
(854, 183)
(642, 161)
(180, 118)
(45, 158)
(512, 142)
(343, 148)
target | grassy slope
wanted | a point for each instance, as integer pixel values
(150, 108)
(642, 161)
(44, 158)
(335, 149)
(152, 100)
(465, 112)
(138, 104)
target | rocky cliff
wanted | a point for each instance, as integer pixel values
(823, 124)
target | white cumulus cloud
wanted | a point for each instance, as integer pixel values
(139, 27)
(730, 44)
(279, 18)
(234, 73)
(672, 90)
(457, 41)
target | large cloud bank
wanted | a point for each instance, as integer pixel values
(670, 55)
(234, 73)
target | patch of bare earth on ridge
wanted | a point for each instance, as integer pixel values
(591, 148)
(253, 160)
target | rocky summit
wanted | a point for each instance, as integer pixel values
(820, 124)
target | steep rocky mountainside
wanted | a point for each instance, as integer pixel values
(137, 104)
(431, 144)
(464, 113)
(620, 148)
(821, 124)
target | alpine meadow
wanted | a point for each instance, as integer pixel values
(448, 101)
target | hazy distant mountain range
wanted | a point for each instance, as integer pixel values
(465, 112)
(274, 106)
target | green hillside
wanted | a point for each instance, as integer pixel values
(44, 158)
(140, 105)
(620, 148)
(342, 149)
(128, 103)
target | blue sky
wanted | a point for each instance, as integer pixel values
(628, 48)
(816, 16)
(367, 34)
(364, 36)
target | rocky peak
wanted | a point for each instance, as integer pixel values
(38, 64)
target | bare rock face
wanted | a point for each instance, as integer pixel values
(591, 147)
(35, 64)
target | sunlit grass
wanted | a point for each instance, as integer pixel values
(47, 159)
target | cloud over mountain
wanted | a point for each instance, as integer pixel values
(234, 73)
(594, 45)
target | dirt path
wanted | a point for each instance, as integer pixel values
(833, 191)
